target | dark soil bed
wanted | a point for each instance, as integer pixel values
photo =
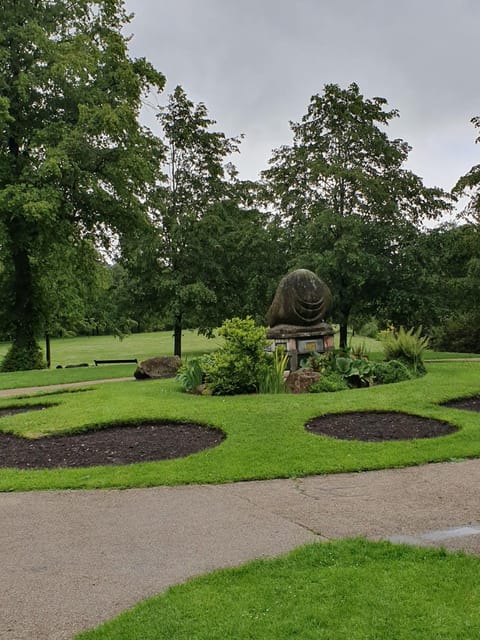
(470, 404)
(377, 426)
(111, 445)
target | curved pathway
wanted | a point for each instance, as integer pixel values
(26, 391)
(72, 559)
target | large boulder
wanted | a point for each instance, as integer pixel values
(160, 367)
(301, 380)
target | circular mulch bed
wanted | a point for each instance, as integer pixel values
(470, 404)
(375, 426)
(125, 444)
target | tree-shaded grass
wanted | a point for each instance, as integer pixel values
(345, 590)
(265, 434)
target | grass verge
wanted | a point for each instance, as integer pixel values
(346, 590)
(265, 434)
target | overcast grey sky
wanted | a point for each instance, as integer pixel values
(256, 63)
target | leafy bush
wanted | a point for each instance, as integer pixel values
(391, 371)
(23, 358)
(240, 363)
(190, 375)
(329, 382)
(459, 333)
(271, 377)
(319, 362)
(369, 329)
(406, 346)
(358, 372)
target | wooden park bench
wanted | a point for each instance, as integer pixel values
(116, 361)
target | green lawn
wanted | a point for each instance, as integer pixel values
(265, 434)
(86, 349)
(346, 590)
(66, 351)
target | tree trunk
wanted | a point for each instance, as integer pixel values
(25, 352)
(24, 307)
(47, 350)
(343, 335)
(177, 339)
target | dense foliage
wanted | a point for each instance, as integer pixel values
(75, 164)
(349, 206)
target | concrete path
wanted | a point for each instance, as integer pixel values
(72, 559)
(27, 391)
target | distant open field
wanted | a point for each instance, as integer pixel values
(68, 351)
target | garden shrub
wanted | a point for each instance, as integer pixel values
(358, 372)
(369, 329)
(329, 382)
(391, 371)
(190, 375)
(239, 365)
(459, 333)
(405, 346)
(23, 358)
(319, 362)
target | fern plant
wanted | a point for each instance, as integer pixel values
(406, 346)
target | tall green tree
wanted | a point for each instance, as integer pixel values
(456, 310)
(198, 177)
(345, 198)
(74, 161)
(469, 184)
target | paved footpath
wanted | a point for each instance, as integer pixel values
(71, 559)
(26, 391)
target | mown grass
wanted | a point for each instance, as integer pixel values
(265, 434)
(346, 590)
(86, 349)
(66, 351)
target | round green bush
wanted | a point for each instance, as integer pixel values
(23, 358)
(369, 329)
(391, 371)
(239, 365)
(331, 381)
(459, 333)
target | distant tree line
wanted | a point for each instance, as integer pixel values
(107, 228)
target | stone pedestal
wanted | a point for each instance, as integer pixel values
(300, 342)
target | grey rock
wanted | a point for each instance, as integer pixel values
(159, 367)
(301, 380)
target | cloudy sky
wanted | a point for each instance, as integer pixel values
(256, 63)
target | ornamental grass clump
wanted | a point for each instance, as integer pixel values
(272, 377)
(407, 347)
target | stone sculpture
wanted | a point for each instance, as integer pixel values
(297, 315)
(301, 299)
